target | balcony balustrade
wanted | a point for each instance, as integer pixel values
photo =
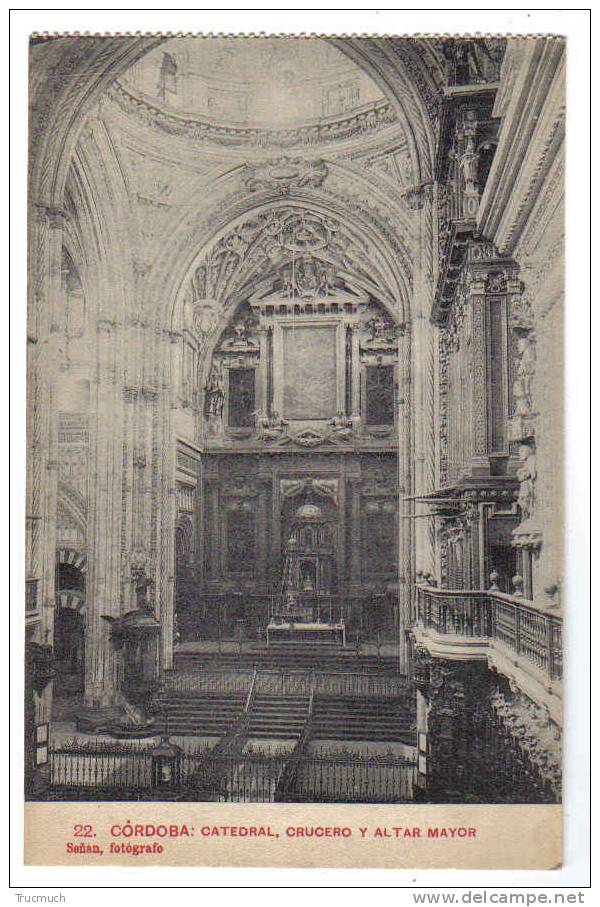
(495, 620)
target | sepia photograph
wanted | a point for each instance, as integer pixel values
(295, 441)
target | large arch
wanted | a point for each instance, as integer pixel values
(165, 292)
(166, 280)
(69, 144)
(91, 64)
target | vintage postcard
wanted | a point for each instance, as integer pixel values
(294, 558)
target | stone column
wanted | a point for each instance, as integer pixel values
(45, 332)
(214, 529)
(423, 389)
(341, 550)
(405, 510)
(46, 325)
(262, 532)
(164, 495)
(354, 491)
(104, 523)
(262, 385)
(480, 464)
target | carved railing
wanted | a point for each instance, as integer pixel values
(511, 622)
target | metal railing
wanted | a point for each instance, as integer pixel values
(284, 683)
(301, 683)
(86, 769)
(241, 778)
(514, 623)
(214, 680)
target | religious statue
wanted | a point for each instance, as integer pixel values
(307, 277)
(381, 332)
(240, 331)
(214, 395)
(472, 61)
(522, 385)
(144, 588)
(323, 286)
(469, 161)
(526, 475)
(288, 282)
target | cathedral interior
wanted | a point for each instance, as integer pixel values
(294, 500)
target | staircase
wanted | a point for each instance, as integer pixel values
(198, 714)
(277, 717)
(377, 721)
(325, 658)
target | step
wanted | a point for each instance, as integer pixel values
(200, 704)
(281, 658)
(280, 708)
(200, 698)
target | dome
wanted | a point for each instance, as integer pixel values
(261, 82)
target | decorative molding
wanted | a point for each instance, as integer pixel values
(284, 175)
(415, 197)
(326, 488)
(372, 118)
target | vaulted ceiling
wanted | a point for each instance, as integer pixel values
(268, 82)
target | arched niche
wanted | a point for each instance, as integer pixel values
(343, 264)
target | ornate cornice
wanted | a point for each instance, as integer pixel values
(371, 118)
(530, 138)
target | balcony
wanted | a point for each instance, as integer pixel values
(514, 635)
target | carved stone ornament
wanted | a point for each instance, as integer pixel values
(495, 282)
(284, 175)
(302, 248)
(532, 730)
(414, 197)
(378, 116)
(309, 438)
(202, 316)
(525, 368)
(239, 487)
(482, 251)
(526, 475)
(380, 332)
(521, 316)
(326, 488)
(271, 428)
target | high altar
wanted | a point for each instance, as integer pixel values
(297, 520)
(306, 608)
